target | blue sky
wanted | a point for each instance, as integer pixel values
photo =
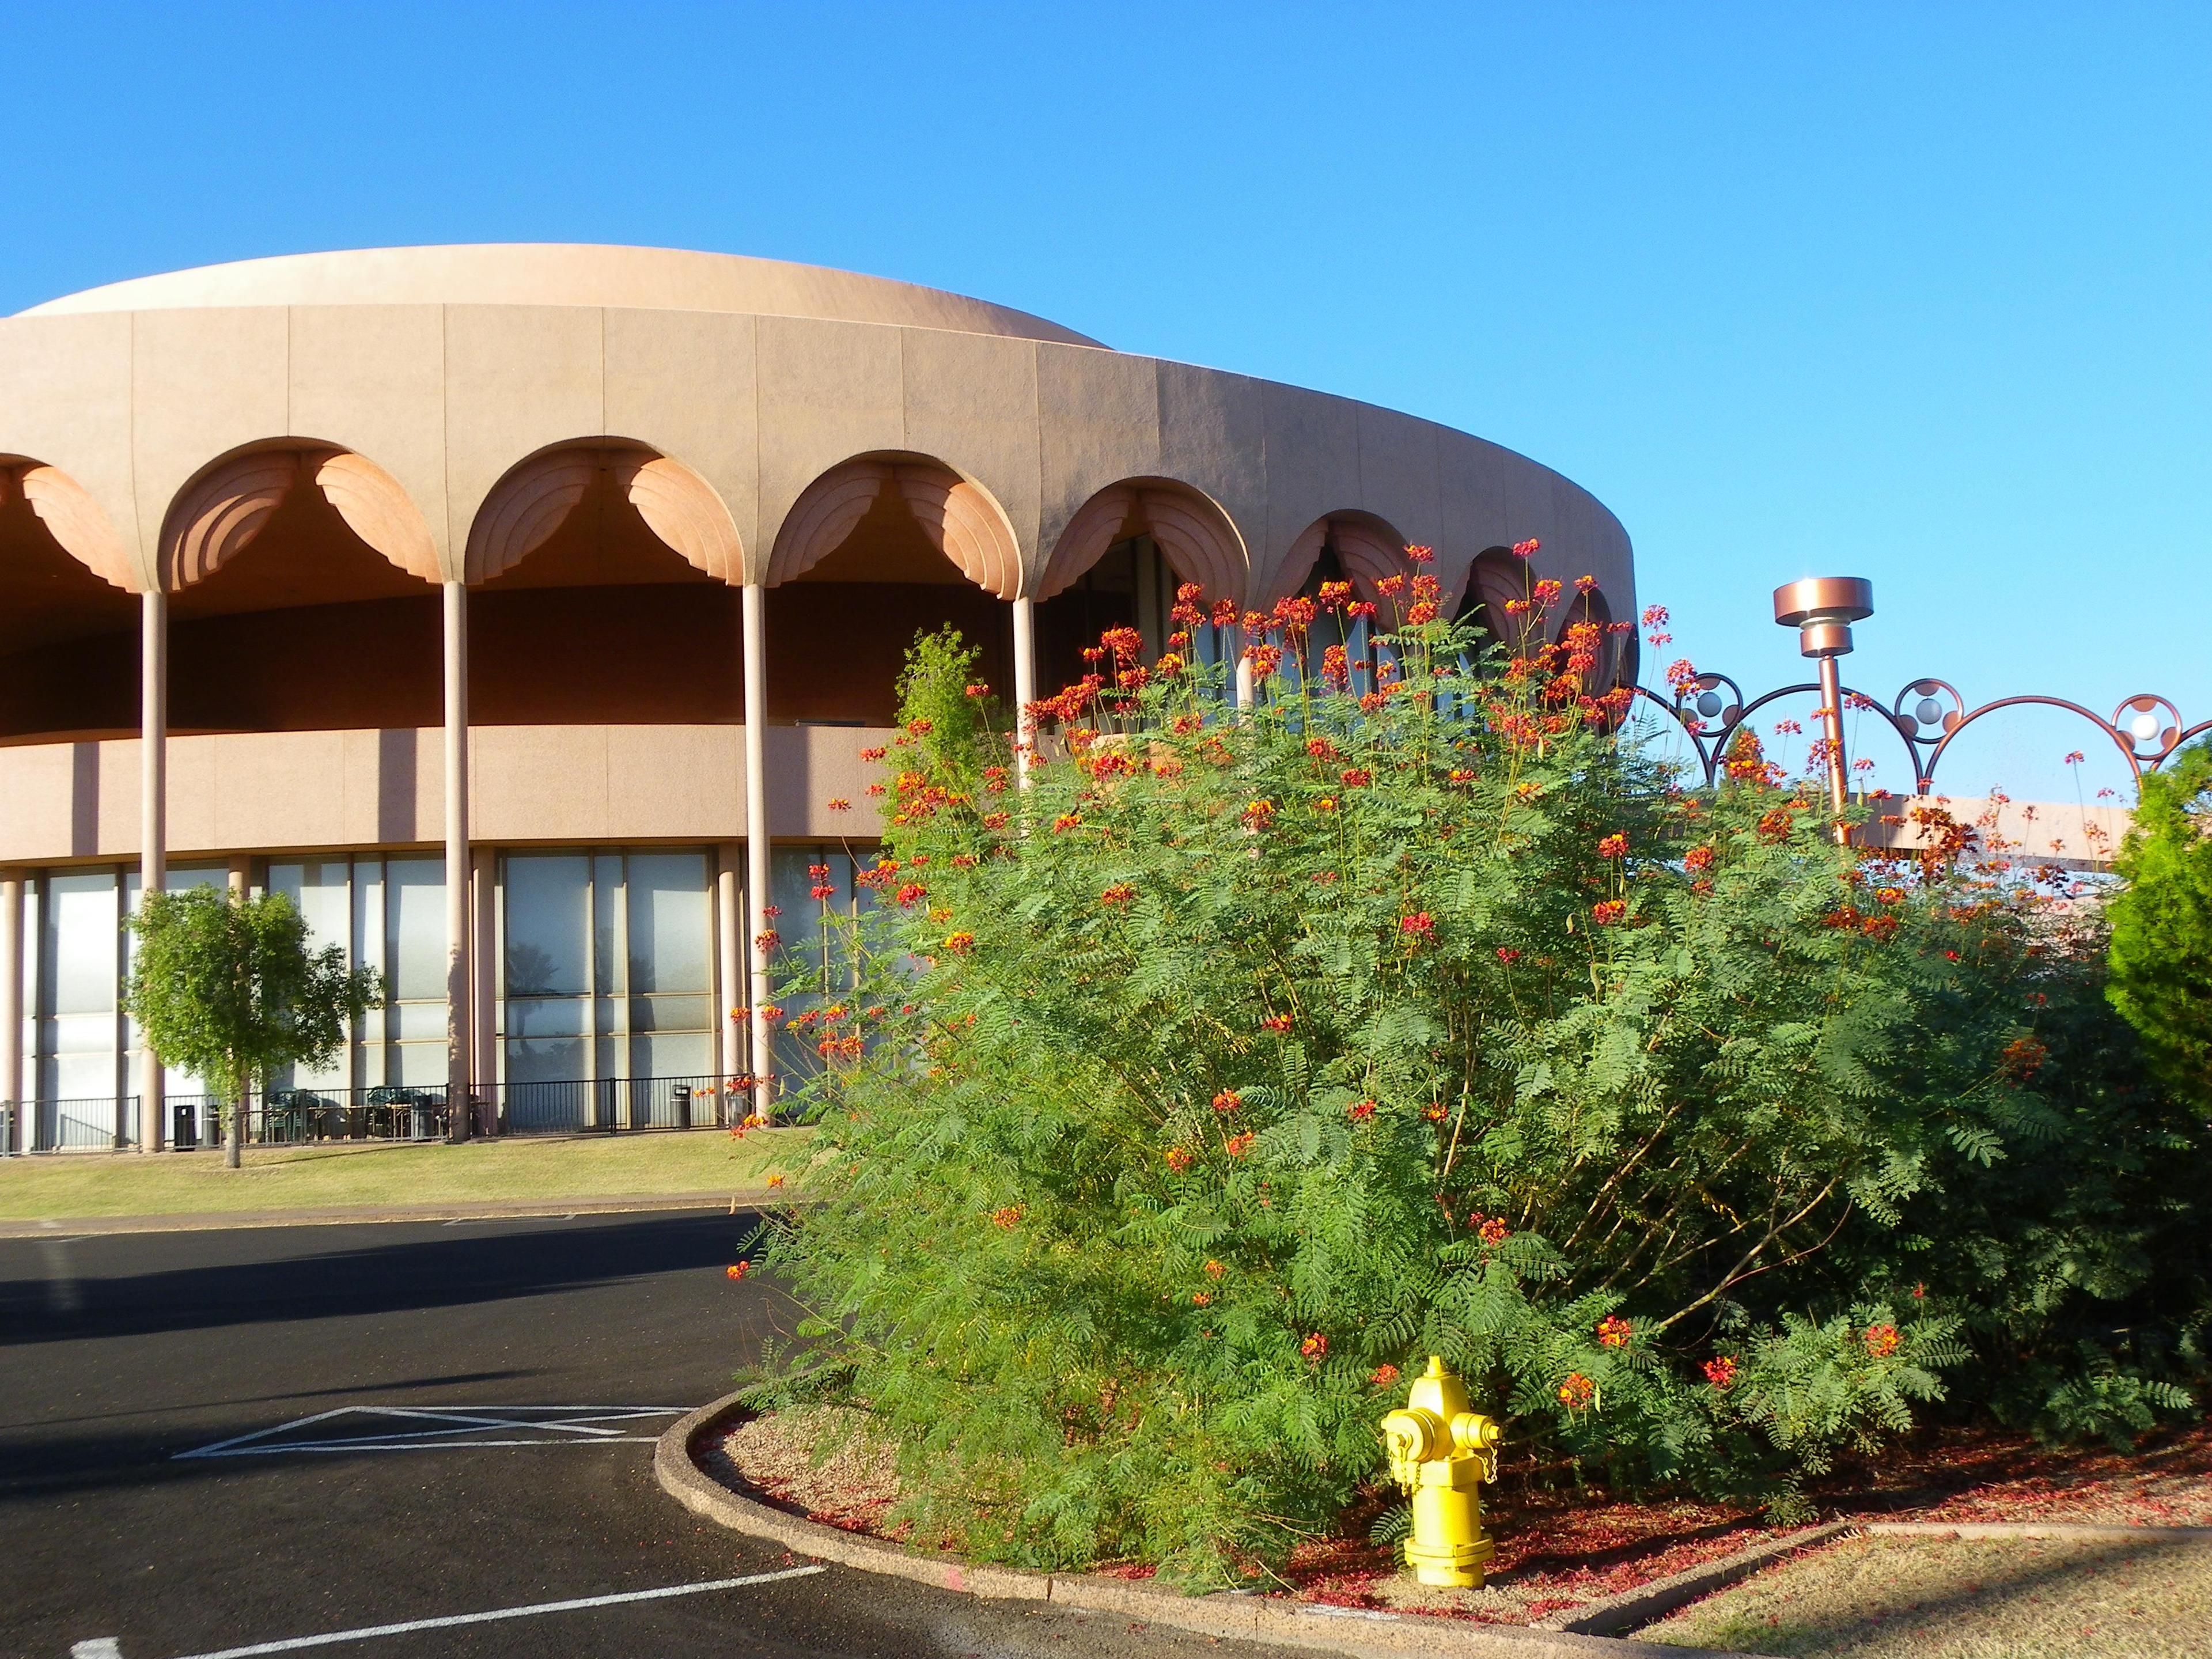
(1915, 292)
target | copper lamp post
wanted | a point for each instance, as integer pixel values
(1822, 609)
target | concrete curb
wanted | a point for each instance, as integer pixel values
(1647, 1603)
(214, 1220)
(1353, 1630)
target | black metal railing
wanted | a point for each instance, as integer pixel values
(101, 1123)
(613, 1104)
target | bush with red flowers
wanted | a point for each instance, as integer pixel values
(1519, 1053)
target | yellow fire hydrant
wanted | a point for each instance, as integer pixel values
(1440, 1452)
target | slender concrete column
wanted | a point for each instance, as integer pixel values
(483, 1015)
(239, 877)
(1247, 692)
(1025, 690)
(457, 860)
(757, 832)
(153, 819)
(730, 956)
(11, 1010)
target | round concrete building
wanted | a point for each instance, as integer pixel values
(583, 574)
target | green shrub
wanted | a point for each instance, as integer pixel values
(2161, 976)
(1174, 1108)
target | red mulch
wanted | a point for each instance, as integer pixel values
(1560, 1548)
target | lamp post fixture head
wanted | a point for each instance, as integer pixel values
(1822, 609)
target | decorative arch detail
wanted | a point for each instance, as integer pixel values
(376, 509)
(1369, 550)
(1200, 542)
(1495, 579)
(74, 519)
(217, 516)
(960, 519)
(535, 497)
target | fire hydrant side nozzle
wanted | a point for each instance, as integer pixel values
(1441, 1451)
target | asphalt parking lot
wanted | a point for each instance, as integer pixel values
(408, 1440)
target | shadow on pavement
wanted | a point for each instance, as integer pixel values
(228, 1287)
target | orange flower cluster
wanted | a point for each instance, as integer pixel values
(1315, 1347)
(1614, 1331)
(1721, 1372)
(1360, 1110)
(738, 1269)
(1420, 927)
(1259, 814)
(1383, 1376)
(1237, 1145)
(1227, 1101)
(1576, 1392)
(1697, 861)
(1357, 777)
(1607, 912)
(1008, 1217)
(1614, 847)
(1119, 893)
(1279, 1023)
(960, 943)
(1881, 1340)
(1179, 1158)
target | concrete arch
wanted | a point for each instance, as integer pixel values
(73, 518)
(537, 493)
(1369, 548)
(1198, 538)
(960, 517)
(1496, 579)
(217, 515)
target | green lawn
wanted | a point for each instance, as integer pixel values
(1966, 1598)
(75, 1185)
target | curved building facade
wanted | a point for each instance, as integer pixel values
(584, 574)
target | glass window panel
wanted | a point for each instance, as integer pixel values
(320, 889)
(544, 1060)
(414, 927)
(82, 938)
(415, 1064)
(671, 927)
(546, 1016)
(77, 1077)
(418, 1022)
(671, 1013)
(548, 946)
(683, 1053)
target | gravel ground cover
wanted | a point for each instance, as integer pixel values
(332, 1174)
(1966, 1598)
(1560, 1549)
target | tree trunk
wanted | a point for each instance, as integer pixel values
(236, 1141)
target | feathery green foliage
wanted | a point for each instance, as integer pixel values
(227, 988)
(2161, 974)
(1172, 1108)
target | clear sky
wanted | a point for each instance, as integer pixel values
(1917, 293)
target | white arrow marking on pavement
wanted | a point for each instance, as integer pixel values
(105, 1648)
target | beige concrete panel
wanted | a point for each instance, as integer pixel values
(395, 785)
(971, 402)
(518, 379)
(1098, 422)
(541, 782)
(1472, 496)
(810, 766)
(1313, 468)
(828, 392)
(1212, 436)
(372, 379)
(65, 391)
(203, 384)
(46, 791)
(685, 383)
(1531, 510)
(1398, 480)
(278, 789)
(666, 783)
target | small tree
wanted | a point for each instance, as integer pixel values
(2161, 955)
(227, 988)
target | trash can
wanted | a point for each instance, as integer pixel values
(183, 1135)
(681, 1097)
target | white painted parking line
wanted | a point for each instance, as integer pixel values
(394, 1428)
(105, 1647)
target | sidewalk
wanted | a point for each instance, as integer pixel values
(190, 1222)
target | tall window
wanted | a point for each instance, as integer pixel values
(608, 963)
